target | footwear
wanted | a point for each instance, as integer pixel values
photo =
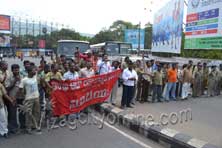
(133, 103)
(28, 131)
(114, 104)
(129, 106)
(122, 107)
(159, 101)
(5, 135)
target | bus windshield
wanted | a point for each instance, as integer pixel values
(68, 48)
(125, 48)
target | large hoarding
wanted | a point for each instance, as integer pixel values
(204, 24)
(4, 23)
(167, 28)
(132, 36)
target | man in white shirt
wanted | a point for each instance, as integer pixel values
(72, 74)
(31, 102)
(88, 71)
(129, 77)
(104, 67)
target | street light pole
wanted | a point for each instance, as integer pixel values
(139, 37)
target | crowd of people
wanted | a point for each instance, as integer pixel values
(25, 91)
(151, 81)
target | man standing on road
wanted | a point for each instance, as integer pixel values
(198, 82)
(187, 78)
(4, 73)
(212, 82)
(205, 77)
(171, 85)
(31, 102)
(157, 86)
(129, 77)
(13, 88)
(72, 74)
(104, 67)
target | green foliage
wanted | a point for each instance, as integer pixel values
(114, 33)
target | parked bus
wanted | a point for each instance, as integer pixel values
(67, 47)
(112, 48)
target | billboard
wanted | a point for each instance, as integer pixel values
(4, 40)
(204, 24)
(4, 23)
(132, 36)
(167, 28)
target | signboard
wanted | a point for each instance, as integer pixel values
(204, 24)
(41, 43)
(4, 40)
(132, 36)
(4, 23)
(167, 28)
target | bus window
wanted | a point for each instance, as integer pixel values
(67, 47)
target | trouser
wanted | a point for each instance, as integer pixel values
(3, 121)
(114, 93)
(33, 113)
(171, 91)
(185, 90)
(211, 87)
(157, 92)
(42, 98)
(21, 114)
(197, 88)
(145, 90)
(139, 91)
(127, 95)
(12, 117)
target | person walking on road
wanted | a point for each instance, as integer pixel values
(187, 79)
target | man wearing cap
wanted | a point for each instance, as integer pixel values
(198, 81)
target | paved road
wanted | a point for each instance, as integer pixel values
(206, 124)
(206, 112)
(88, 136)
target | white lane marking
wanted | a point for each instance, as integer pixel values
(124, 134)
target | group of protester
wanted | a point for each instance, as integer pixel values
(25, 91)
(151, 81)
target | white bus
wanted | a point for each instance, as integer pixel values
(67, 47)
(112, 48)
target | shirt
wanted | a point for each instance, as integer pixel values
(172, 75)
(86, 73)
(158, 78)
(31, 87)
(50, 76)
(2, 93)
(70, 76)
(4, 76)
(23, 73)
(129, 74)
(15, 89)
(104, 68)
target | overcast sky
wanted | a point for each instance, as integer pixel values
(86, 16)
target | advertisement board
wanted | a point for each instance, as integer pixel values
(132, 36)
(167, 28)
(204, 24)
(4, 40)
(4, 23)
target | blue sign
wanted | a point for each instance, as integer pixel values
(132, 36)
(204, 27)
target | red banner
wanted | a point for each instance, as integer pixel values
(73, 96)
